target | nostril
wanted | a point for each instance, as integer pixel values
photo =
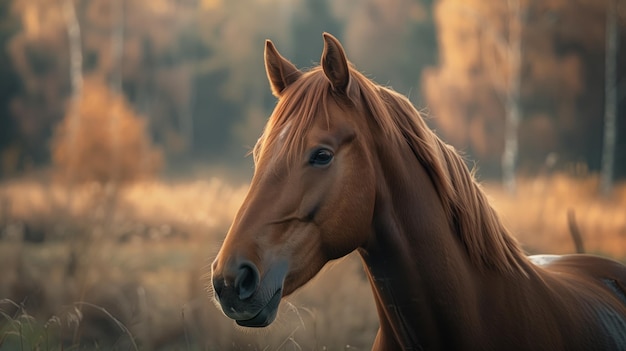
(247, 280)
(218, 286)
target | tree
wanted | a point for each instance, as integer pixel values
(392, 44)
(9, 85)
(513, 52)
(507, 42)
(560, 94)
(610, 98)
(308, 24)
(88, 153)
(498, 59)
(40, 59)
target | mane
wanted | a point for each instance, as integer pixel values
(488, 243)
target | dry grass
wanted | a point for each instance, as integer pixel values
(120, 268)
(537, 214)
(140, 254)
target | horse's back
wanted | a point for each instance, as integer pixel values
(603, 282)
(611, 273)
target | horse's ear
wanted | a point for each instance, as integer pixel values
(280, 72)
(335, 64)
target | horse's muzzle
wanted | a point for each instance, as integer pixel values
(247, 297)
(266, 315)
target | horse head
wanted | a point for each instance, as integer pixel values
(312, 195)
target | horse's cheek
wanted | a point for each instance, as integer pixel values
(351, 219)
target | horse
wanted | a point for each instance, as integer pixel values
(344, 164)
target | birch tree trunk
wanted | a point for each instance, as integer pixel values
(512, 103)
(117, 53)
(76, 78)
(508, 89)
(610, 99)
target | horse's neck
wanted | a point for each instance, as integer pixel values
(422, 280)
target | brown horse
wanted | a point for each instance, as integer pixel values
(344, 164)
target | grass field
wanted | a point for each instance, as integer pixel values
(89, 267)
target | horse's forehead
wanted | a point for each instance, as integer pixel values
(284, 131)
(326, 118)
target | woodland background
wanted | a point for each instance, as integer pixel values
(191, 73)
(125, 124)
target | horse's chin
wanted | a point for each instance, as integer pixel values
(265, 316)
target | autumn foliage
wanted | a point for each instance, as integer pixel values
(104, 140)
(561, 75)
(194, 69)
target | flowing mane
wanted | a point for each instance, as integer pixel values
(487, 241)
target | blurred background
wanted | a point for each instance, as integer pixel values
(125, 125)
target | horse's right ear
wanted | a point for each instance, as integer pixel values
(280, 72)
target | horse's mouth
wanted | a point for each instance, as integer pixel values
(265, 316)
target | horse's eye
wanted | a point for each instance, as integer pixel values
(321, 157)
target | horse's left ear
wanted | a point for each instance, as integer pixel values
(335, 64)
(280, 72)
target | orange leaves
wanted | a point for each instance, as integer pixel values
(560, 50)
(104, 141)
